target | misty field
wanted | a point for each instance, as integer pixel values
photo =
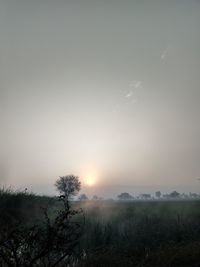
(142, 234)
(157, 234)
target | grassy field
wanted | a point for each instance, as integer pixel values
(156, 234)
(142, 233)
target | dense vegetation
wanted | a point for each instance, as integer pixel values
(40, 239)
(142, 233)
(157, 234)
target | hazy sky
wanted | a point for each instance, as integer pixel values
(106, 89)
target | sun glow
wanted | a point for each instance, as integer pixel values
(90, 181)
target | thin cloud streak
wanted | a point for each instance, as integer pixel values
(163, 55)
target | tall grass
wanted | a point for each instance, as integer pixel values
(150, 234)
(21, 206)
(134, 233)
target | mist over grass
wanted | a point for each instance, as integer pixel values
(141, 233)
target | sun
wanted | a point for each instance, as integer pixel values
(90, 181)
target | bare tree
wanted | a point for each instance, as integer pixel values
(68, 186)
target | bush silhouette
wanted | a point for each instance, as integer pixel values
(50, 243)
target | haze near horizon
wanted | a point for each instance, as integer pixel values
(107, 90)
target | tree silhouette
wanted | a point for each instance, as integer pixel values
(68, 186)
(83, 197)
(125, 196)
(95, 198)
(158, 194)
(174, 194)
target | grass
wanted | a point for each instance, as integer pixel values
(145, 234)
(17, 206)
(142, 233)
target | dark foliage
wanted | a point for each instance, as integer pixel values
(142, 234)
(50, 243)
(122, 233)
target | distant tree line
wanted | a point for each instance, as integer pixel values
(158, 195)
(125, 196)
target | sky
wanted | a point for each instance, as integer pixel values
(105, 89)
